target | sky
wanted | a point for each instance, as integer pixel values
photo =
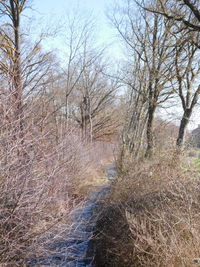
(49, 6)
(50, 13)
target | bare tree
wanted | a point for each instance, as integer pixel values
(185, 17)
(187, 74)
(10, 45)
(150, 38)
(184, 12)
(134, 79)
(80, 34)
(85, 88)
(94, 96)
(24, 67)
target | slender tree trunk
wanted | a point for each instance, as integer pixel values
(17, 82)
(82, 122)
(183, 127)
(153, 90)
(91, 126)
(149, 150)
(15, 12)
(67, 108)
(141, 139)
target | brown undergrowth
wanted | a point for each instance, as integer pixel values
(100, 155)
(152, 217)
(42, 170)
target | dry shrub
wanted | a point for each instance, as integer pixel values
(39, 169)
(161, 202)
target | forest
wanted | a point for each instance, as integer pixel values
(106, 146)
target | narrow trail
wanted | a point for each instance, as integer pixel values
(78, 249)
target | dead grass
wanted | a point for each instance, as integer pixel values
(101, 155)
(94, 176)
(160, 199)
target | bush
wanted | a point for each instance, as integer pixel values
(160, 199)
(40, 166)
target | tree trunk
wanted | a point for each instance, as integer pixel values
(183, 126)
(149, 150)
(67, 108)
(19, 131)
(17, 83)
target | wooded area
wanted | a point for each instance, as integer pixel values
(60, 119)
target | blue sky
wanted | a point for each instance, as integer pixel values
(49, 6)
(52, 11)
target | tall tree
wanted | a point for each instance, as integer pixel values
(134, 79)
(93, 101)
(10, 44)
(80, 34)
(187, 74)
(185, 17)
(149, 37)
(24, 67)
